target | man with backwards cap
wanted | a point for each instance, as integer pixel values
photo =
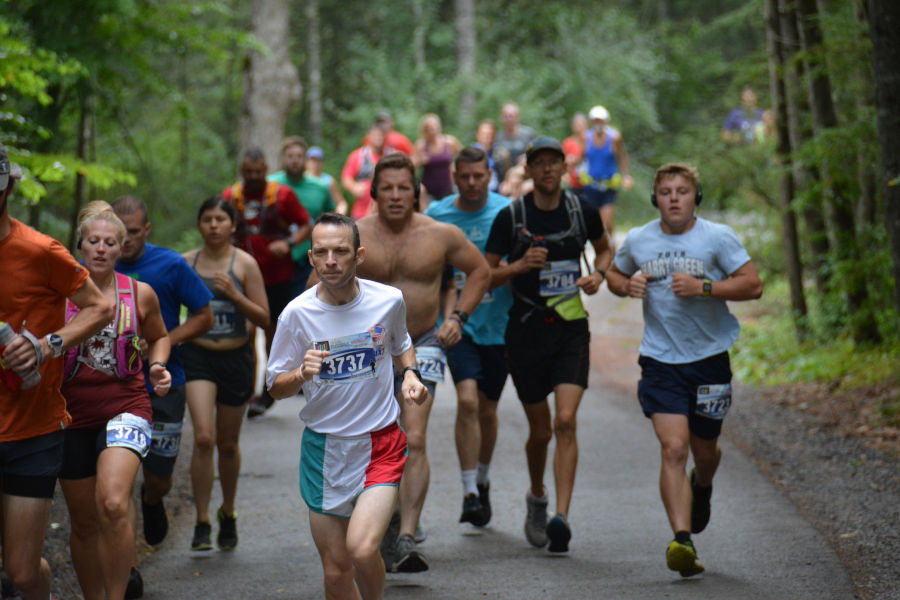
(605, 166)
(547, 337)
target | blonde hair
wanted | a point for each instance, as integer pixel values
(99, 210)
(689, 172)
(428, 117)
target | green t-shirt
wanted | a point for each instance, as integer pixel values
(314, 196)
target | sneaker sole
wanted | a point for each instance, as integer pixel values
(411, 563)
(559, 536)
(537, 542)
(682, 560)
(202, 548)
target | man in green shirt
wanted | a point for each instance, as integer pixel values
(314, 195)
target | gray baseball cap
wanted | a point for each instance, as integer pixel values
(7, 169)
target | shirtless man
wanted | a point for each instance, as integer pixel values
(408, 250)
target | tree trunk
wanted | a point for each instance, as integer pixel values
(314, 66)
(418, 7)
(271, 83)
(884, 23)
(867, 209)
(465, 57)
(840, 214)
(777, 54)
(85, 130)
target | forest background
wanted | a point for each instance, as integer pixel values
(158, 98)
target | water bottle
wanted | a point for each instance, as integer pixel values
(11, 379)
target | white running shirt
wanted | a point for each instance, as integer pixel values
(354, 393)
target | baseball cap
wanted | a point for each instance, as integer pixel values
(7, 169)
(543, 143)
(599, 112)
(315, 152)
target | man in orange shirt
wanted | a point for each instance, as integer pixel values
(32, 420)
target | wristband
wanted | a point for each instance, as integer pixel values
(601, 271)
(414, 370)
(158, 362)
(457, 319)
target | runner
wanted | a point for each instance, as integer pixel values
(573, 146)
(270, 221)
(409, 250)
(604, 169)
(314, 195)
(107, 397)
(356, 176)
(547, 337)
(32, 409)
(219, 367)
(689, 267)
(336, 341)
(176, 285)
(315, 168)
(513, 138)
(434, 154)
(477, 362)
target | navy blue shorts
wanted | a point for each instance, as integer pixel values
(700, 390)
(484, 364)
(596, 197)
(29, 467)
(544, 352)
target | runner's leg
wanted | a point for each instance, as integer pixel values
(228, 426)
(539, 436)
(116, 471)
(674, 438)
(368, 523)
(330, 534)
(201, 400)
(565, 459)
(84, 537)
(24, 526)
(417, 473)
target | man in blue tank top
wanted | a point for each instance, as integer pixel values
(605, 167)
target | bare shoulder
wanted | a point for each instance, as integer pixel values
(189, 255)
(147, 299)
(446, 232)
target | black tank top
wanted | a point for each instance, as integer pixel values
(228, 321)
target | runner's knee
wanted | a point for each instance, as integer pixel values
(675, 451)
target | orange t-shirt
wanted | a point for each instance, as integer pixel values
(37, 274)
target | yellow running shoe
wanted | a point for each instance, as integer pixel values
(683, 558)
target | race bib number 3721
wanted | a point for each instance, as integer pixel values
(713, 401)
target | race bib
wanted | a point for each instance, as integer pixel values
(431, 360)
(352, 359)
(224, 317)
(558, 277)
(713, 401)
(459, 278)
(166, 439)
(129, 431)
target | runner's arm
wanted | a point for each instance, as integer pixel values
(253, 303)
(744, 284)
(465, 256)
(623, 162)
(288, 384)
(194, 326)
(153, 329)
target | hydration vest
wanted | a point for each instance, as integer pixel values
(123, 339)
(522, 238)
(271, 197)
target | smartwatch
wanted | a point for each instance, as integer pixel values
(707, 288)
(56, 345)
(414, 370)
(463, 316)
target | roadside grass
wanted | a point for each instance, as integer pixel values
(768, 353)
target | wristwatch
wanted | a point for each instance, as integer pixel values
(707, 288)
(56, 345)
(414, 370)
(463, 315)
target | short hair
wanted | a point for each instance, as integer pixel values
(672, 169)
(214, 202)
(488, 122)
(397, 160)
(472, 154)
(99, 210)
(293, 140)
(128, 205)
(253, 153)
(332, 218)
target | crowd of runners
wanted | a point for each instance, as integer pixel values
(448, 258)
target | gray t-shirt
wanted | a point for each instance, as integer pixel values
(683, 330)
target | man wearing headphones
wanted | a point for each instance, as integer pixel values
(410, 251)
(688, 268)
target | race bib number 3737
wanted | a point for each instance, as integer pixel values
(352, 359)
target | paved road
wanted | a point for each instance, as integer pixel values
(756, 546)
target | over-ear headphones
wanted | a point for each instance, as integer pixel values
(698, 197)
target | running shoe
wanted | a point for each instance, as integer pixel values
(484, 498)
(228, 537)
(471, 510)
(135, 588)
(683, 558)
(559, 533)
(420, 534)
(202, 541)
(699, 504)
(389, 541)
(408, 559)
(156, 523)
(536, 520)
(259, 405)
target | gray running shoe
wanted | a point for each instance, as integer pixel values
(389, 541)
(421, 534)
(409, 560)
(536, 520)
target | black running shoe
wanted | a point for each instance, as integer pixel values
(260, 404)
(228, 537)
(699, 505)
(408, 559)
(484, 498)
(135, 588)
(559, 533)
(471, 510)
(202, 541)
(156, 523)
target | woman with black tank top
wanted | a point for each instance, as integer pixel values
(220, 367)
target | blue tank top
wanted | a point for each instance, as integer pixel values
(601, 160)
(228, 321)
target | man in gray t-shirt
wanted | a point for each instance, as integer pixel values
(685, 268)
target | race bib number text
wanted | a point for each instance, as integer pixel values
(558, 277)
(431, 360)
(128, 431)
(352, 359)
(713, 401)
